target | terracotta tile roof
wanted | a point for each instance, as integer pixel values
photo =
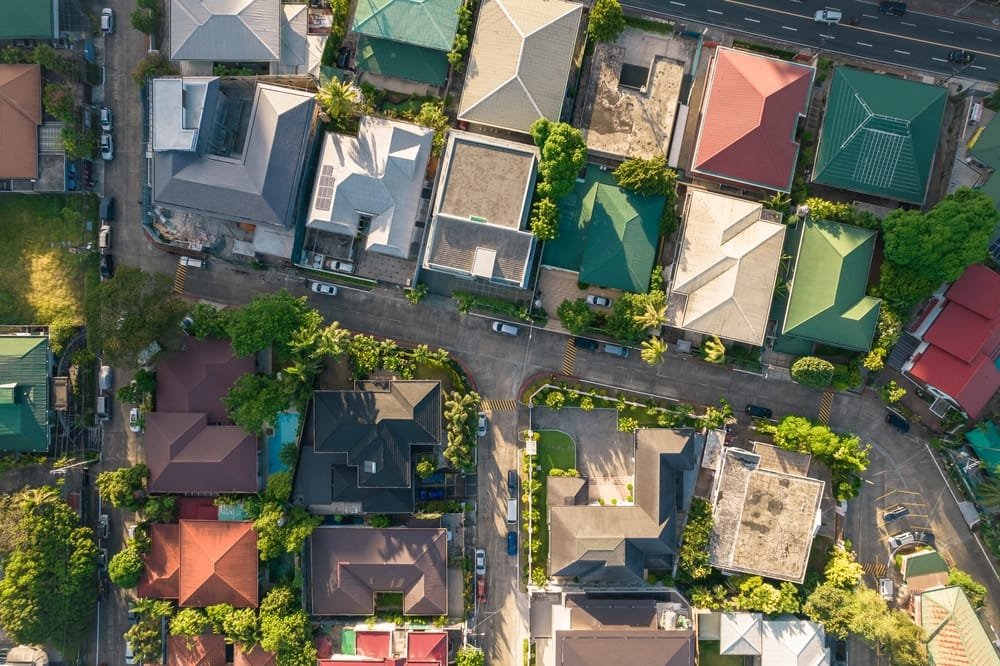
(955, 636)
(255, 657)
(751, 112)
(186, 455)
(196, 379)
(204, 650)
(374, 644)
(218, 563)
(160, 579)
(20, 116)
(427, 647)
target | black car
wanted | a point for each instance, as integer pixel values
(892, 8)
(961, 57)
(897, 422)
(759, 412)
(584, 343)
(512, 483)
(107, 267)
(895, 513)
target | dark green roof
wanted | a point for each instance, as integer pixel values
(24, 393)
(924, 563)
(987, 151)
(428, 23)
(879, 135)
(402, 61)
(28, 19)
(985, 441)
(826, 300)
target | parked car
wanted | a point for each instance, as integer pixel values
(107, 147)
(892, 8)
(505, 329)
(102, 558)
(584, 343)
(105, 378)
(426, 494)
(759, 412)
(828, 16)
(480, 562)
(135, 419)
(129, 655)
(601, 301)
(107, 267)
(108, 21)
(616, 350)
(895, 513)
(481, 590)
(104, 239)
(482, 425)
(107, 207)
(103, 525)
(192, 262)
(897, 422)
(103, 410)
(512, 543)
(924, 536)
(961, 57)
(512, 482)
(901, 539)
(107, 120)
(71, 177)
(886, 589)
(323, 288)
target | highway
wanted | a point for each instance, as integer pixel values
(917, 40)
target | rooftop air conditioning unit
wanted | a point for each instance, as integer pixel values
(370, 467)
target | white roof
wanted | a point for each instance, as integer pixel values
(379, 173)
(294, 40)
(225, 30)
(178, 104)
(794, 643)
(740, 634)
(519, 62)
(728, 262)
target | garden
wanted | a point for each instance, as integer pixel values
(555, 455)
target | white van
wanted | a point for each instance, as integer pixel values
(886, 588)
(192, 262)
(504, 329)
(105, 378)
(104, 239)
(615, 350)
(512, 511)
(828, 16)
(103, 408)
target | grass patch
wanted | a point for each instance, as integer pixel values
(649, 25)
(388, 602)
(44, 276)
(708, 655)
(556, 450)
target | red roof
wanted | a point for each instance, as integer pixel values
(964, 342)
(159, 579)
(196, 379)
(428, 648)
(218, 563)
(20, 116)
(186, 455)
(255, 657)
(749, 119)
(197, 508)
(204, 650)
(375, 644)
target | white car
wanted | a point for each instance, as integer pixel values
(480, 562)
(108, 21)
(134, 420)
(107, 147)
(323, 288)
(106, 119)
(828, 16)
(504, 329)
(482, 424)
(129, 655)
(602, 301)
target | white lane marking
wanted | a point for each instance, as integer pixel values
(863, 44)
(912, 25)
(827, 36)
(985, 39)
(869, 16)
(901, 52)
(977, 67)
(788, 27)
(947, 32)
(939, 59)
(714, 11)
(752, 20)
(679, 4)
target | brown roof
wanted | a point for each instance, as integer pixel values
(638, 647)
(255, 657)
(20, 116)
(159, 579)
(350, 564)
(218, 563)
(186, 455)
(196, 379)
(204, 650)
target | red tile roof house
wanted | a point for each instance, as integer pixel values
(211, 650)
(20, 116)
(423, 648)
(958, 358)
(202, 562)
(191, 446)
(749, 118)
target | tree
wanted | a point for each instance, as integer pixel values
(189, 622)
(285, 628)
(891, 393)
(652, 316)
(209, 322)
(976, 592)
(151, 66)
(845, 455)
(255, 400)
(126, 313)
(833, 607)
(905, 641)
(432, 115)
(120, 486)
(607, 20)
(338, 100)
(576, 316)
(77, 142)
(628, 315)
(813, 372)
(281, 529)
(146, 636)
(692, 559)
(779, 202)
(653, 350)
(146, 20)
(756, 595)
(269, 319)
(713, 351)
(59, 102)
(545, 219)
(842, 569)
(239, 626)
(563, 154)
(126, 566)
(469, 655)
(425, 468)
(649, 177)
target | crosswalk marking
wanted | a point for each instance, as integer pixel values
(825, 406)
(179, 277)
(569, 357)
(498, 405)
(876, 569)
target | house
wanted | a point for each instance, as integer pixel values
(608, 234)
(257, 656)
(203, 650)
(478, 232)
(191, 446)
(827, 297)
(25, 365)
(20, 116)
(596, 544)
(955, 634)
(405, 39)
(350, 566)
(368, 185)
(726, 266)
(984, 149)
(879, 135)
(242, 32)
(200, 563)
(751, 112)
(359, 446)
(29, 19)
(768, 642)
(233, 150)
(519, 62)
(957, 358)
(923, 570)
(765, 513)
(380, 644)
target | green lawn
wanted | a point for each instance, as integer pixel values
(708, 655)
(556, 450)
(44, 277)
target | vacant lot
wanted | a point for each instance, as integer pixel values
(45, 267)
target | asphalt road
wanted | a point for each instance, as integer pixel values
(918, 41)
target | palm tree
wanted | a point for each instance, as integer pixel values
(421, 354)
(988, 494)
(338, 100)
(333, 340)
(653, 350)
(714, 351)
(653, 316)
(780, 202)
(34, 498)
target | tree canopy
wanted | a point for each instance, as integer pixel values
(845, 455)
(469, 655)
(255, 400)
(145, 635)
(692, 562)
(607, 20)
(545, 219)
(812, 371)
(119, 486)
(125, 567)
(648, 177)
(576, 316)
(285, 628)
(270, 319)
(563, 154)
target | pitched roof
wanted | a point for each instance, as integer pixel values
(427, 23)
(649, 647)
(218, 564)
(623, 229)
(752, 109)
(724, 276)
(401, 61)
(378, 173)
(827, 299)
(879, 134)
(427, 648)
(964, 342)
(197, 378)
(160, 576)
(519, 62)
(741, 634)
(348, 565)
(24, 392)
(29, 19)
(986, 149)
(794, 643)
(186, 455)
(955, 634)
(225, 30)
(20, 116)
(257, 656)
(204, 650)
(924, 570)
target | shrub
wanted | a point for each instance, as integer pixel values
(812, 371)
(125, 568)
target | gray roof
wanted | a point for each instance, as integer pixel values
(588, 612)
(349, 565)
(645, 647)
(258, 186)
(225, 30)
(615, 544)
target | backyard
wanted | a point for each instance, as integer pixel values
(556, 450)
(46, 266)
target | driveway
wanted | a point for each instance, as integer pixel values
(602, 453)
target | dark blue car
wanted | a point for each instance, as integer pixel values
(512, 543)
(430, 494)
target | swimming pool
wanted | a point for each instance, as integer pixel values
(285, 430)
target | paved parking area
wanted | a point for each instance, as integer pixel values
(601, 451)
(556, 285)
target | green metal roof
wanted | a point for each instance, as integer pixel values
(827, 301)
(402, 61)
(985, 441)
(28, 19)
(426, 23)
(955, 634)
(923, 563)
(24, 384)
(879, 135)
(987, 151)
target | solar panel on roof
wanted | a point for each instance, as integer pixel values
(324, 190)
